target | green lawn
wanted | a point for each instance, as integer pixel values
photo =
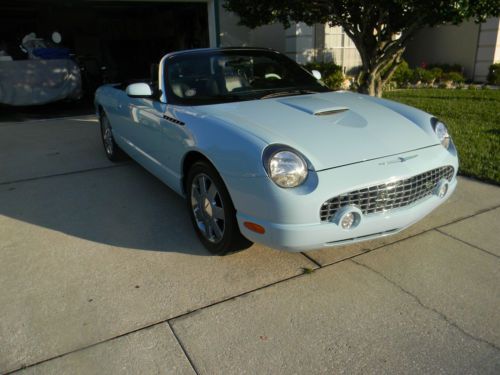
(473, 119)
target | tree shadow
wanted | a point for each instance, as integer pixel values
(493, 131)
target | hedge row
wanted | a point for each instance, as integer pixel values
(443, 75)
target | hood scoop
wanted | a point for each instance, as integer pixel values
(331, 111)
(313, 105)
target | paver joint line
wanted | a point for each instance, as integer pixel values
(155, 324)
(123, 164)
(183, 349)
(311, 259)
(365, 251)
(467, 243)
(428, 308)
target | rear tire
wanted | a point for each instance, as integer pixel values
(212, 211)
(112, 150)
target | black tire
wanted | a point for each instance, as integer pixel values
(112, 150)
(213, 214)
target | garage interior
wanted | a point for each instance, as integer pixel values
(111, 41)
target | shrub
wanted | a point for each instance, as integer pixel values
(423, 75)
(494, 74)
(447, 68)
(437, 73)
(453, 77)
(403, 74)
(331, 73)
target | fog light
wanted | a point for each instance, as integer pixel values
(442, 189)
(348, 217)
(347, 221)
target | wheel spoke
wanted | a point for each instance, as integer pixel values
(108, 138)
(195, 195)
(208, 229)
(212, 192)
(218, 212)
(216, 229)
(197, 213)
(202, 182)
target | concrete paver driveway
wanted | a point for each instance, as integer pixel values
(101, 273)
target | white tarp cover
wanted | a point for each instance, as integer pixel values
(31, 82)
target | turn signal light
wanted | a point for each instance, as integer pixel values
(254, 227)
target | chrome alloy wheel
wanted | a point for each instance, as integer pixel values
(107, 137)
(208, 209)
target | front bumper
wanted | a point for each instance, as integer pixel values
(304, 237)
(291, 216)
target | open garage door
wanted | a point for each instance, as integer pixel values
(110, 40)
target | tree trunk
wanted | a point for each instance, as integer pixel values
(377, 71)
(370, 84)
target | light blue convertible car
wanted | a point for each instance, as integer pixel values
(264, 152)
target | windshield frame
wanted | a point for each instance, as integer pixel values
(312, 86)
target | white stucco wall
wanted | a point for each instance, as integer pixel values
(300, 43)
(234, 35)
(340, 49)
(445, 44)
(488, 48)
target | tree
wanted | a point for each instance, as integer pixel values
(380, 29)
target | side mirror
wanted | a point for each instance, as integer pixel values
(139, 90)
(316, 74)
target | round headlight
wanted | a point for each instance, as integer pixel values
(287, 168)
(442, 134)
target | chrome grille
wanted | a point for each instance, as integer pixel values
(384, 197)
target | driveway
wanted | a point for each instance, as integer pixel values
(101, 273)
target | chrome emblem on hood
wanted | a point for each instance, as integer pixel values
(400, 159)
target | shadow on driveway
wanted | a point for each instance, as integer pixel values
(122, 206)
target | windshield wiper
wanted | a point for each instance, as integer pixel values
(288, 93)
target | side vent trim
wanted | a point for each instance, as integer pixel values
(173, 120)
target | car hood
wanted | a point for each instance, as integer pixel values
(330, 129)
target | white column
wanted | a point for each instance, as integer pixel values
(300, 42)
(488, 48)
(212, 23)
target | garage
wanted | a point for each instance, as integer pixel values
(109, 41)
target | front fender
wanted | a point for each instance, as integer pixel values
(418, 117)
(231, 150)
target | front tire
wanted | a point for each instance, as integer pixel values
(212, 212)
(112, 150)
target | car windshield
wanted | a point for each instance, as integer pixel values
(209, 77)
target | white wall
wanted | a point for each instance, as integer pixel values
(234, 35)
(445, 44)
(488, 48)
(300, 43)
(340, 49)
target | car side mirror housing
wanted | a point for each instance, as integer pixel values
(139, 90)
(316, 74)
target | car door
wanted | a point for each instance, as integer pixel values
(158, 138)
(115, 101)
